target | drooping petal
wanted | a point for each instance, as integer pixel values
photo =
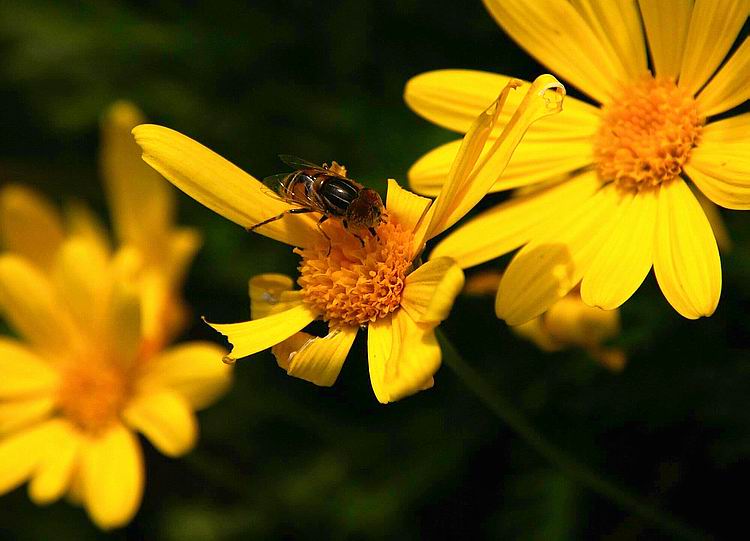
(557, 35)
(31, 306)
(112, 476)
(686, 258)
(266, 291)
(166, 419)
(19, 413)
(253, 336)
(713, 28)
(20, 453)
(625, 259)
(317, 359)
(467, 183)
(667, 26)
(430, 290)
(531, 162)
(192, 369)
(455, 98)
(407, 366)
(547, 268)
(29, 225)
(406, 207)
(57, 465)
(729, 87)
(220, 185)
(23, 373)
(511, 224)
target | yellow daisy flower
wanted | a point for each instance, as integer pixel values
(610, 196)
(87, 372)
(379, 284)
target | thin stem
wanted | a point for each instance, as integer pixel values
(508, 413)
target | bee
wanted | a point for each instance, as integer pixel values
(327, 190)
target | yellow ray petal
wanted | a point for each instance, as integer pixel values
(266, 292)
(713, 214)
(430, 290)
(29, 225)
(722, 192)
(547, 268)
(713, 28)
(166, 419)
(57, 465)
(24, 374)
(82, 222)
(32, 308)
(467, 181)
(722, 171)
(20, 453)
(666, 27)
(531, 162)
(407, 366)
(511, 224)
(407, 208)
(571, 322)
(220, 185)
(625, 259)
(123, 317)
(113, 476)
(22, 412)
(729, 87)
(319, 360)
(192, 369)
(250, 337)
(455, 98)
(557, 35)
(617, 25)
(733, 130)
(142, 203)
(686, 258)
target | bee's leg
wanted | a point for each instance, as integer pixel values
(374, 233)
(360, 239)
(323, 218)
(279, 217)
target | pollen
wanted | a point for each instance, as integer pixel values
(355, 284)
(646, 134)
(92, 395)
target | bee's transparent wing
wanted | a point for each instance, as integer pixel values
(273, 186)
(298, 163)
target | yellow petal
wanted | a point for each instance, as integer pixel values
(729, 86)
(734, 130)
(686, 258)
(713, 28)
(266, 292)
(713, 214)
(557, 35)
(192, 369)
(250, 337)
(20, 453)
(536, 332)
(666, 27)
(319, 360)
(56, 466)
(624, 260)
(220, 185)
(141, 201)
(430, 290)
(617, 25)
(412, 359)
(467, 180)
(113, 476)
(722, 171)
(722, 192)
(407, 208)
(30, 306)
(455, 98)
(29, 225)
(124, 309)
(24, 374)
(22, 412)
(82, 222)
(166, 419)
(547, 268)
(509, 225)
(571, 322)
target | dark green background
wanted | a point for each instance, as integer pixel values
(280, 457)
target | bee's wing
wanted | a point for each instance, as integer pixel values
(273, 186)
(298, 163)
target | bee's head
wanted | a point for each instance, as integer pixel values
(366, 211)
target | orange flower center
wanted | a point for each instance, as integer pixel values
(92, 394)
(355, 284)
(646, 134)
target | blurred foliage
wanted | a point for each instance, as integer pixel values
(283, 458)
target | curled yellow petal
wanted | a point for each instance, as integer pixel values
(266, 291)
(317, 359)
(430, 290)
(407, 208)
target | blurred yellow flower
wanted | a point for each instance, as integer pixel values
(611, 197)
(90, 368)
(379, 285)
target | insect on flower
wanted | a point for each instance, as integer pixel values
(327, 190)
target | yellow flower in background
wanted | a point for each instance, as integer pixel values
(379, 285)
(89, 370)
(606, 187)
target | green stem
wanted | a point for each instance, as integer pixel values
(508, 413)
